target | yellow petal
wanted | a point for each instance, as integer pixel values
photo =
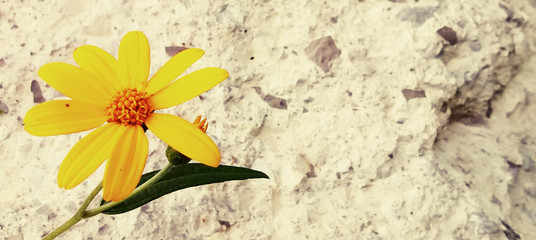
(74, 82)
(87, 155)
(184, 137)
(188, 87)
(101, 64)
(173, 68)
(125, 165)
(134, 59)
(62, 117)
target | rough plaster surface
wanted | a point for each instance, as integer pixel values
(397, 132)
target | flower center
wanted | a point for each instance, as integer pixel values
(129, 107)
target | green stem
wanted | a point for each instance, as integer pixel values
(102, 208)
(63, 227)
(83, 213)
(77, 216)
(88, 200)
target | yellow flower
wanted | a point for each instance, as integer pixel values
(104, 89)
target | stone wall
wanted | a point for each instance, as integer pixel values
(374, 119)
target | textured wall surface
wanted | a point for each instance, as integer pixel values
(374, 119)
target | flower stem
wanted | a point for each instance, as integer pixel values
(83, 213)
(77, 216)
(63, 227)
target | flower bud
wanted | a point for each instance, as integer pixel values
(176, 158)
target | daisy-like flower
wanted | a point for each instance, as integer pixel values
(116, 93)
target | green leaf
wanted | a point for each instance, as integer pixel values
(181, 177)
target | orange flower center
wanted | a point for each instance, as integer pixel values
(129, 107)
